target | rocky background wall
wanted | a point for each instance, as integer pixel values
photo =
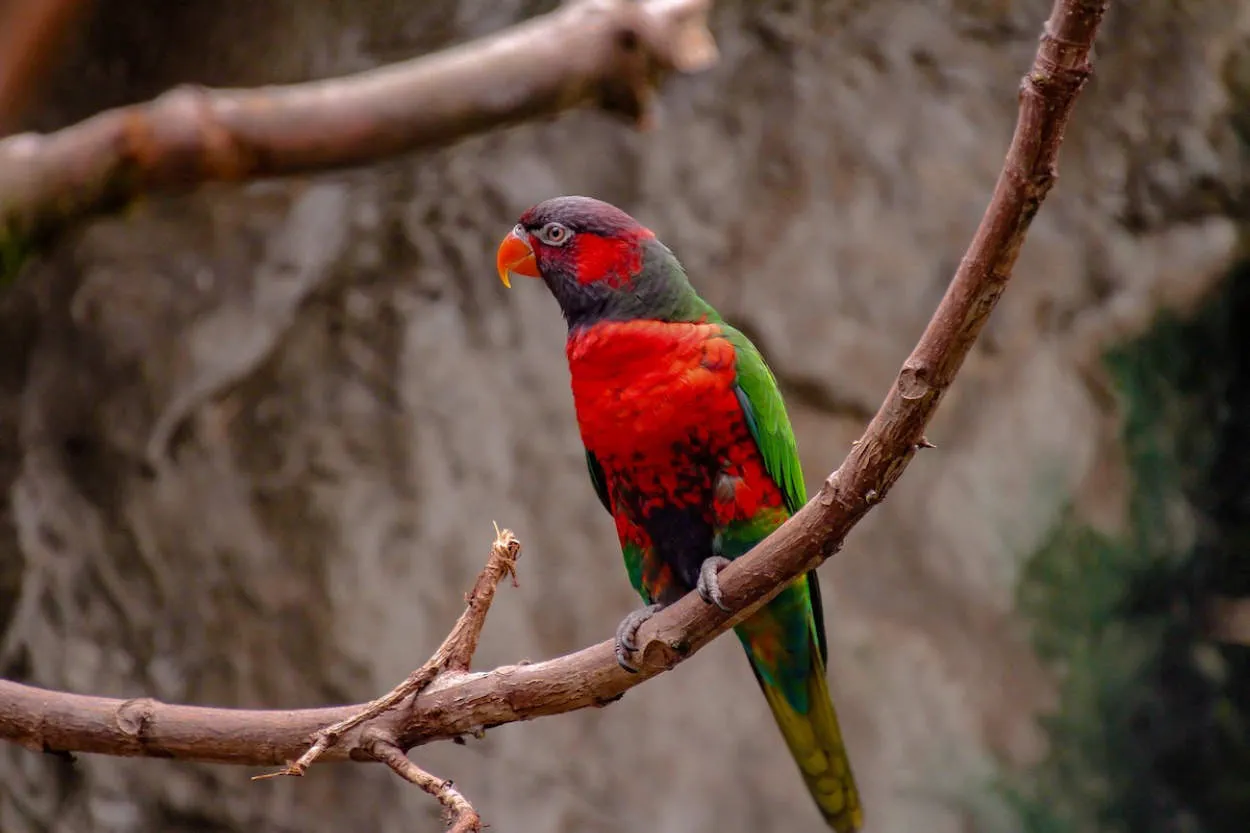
(252, 440)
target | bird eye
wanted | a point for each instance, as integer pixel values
(554, 234)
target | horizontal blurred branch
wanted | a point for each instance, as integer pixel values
(610, 53)
(461, 703)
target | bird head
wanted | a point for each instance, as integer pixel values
(599, 262)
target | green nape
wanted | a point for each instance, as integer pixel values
(1152, 734)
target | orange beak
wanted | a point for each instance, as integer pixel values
(515, 257)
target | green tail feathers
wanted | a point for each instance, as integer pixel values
(814, 739)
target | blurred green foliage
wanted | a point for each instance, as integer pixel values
(13, 252)
(1152, 734)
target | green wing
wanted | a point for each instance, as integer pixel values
(766, 416)
(765, 413)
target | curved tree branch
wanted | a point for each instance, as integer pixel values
(456, 704)
(610, 53)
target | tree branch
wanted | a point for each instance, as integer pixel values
(610, 53)
(453, 655)
(458, 704)
(31, 33)
(460, 813)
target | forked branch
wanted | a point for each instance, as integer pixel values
(454, 656)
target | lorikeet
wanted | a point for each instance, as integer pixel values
(690, 449)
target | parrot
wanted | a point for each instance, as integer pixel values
(690, 449)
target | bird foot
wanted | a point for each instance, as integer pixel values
(627, 634)
(709, 581)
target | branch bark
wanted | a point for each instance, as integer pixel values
(31, 33)
(460, 704)
(461, 816)
(454, 655)
(610, 53)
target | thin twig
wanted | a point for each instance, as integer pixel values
(53, 721)
(453, 655)
(459, 813)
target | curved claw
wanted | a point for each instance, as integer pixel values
(709, 581)
(627, 635)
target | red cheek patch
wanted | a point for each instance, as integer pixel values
(613, 261)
